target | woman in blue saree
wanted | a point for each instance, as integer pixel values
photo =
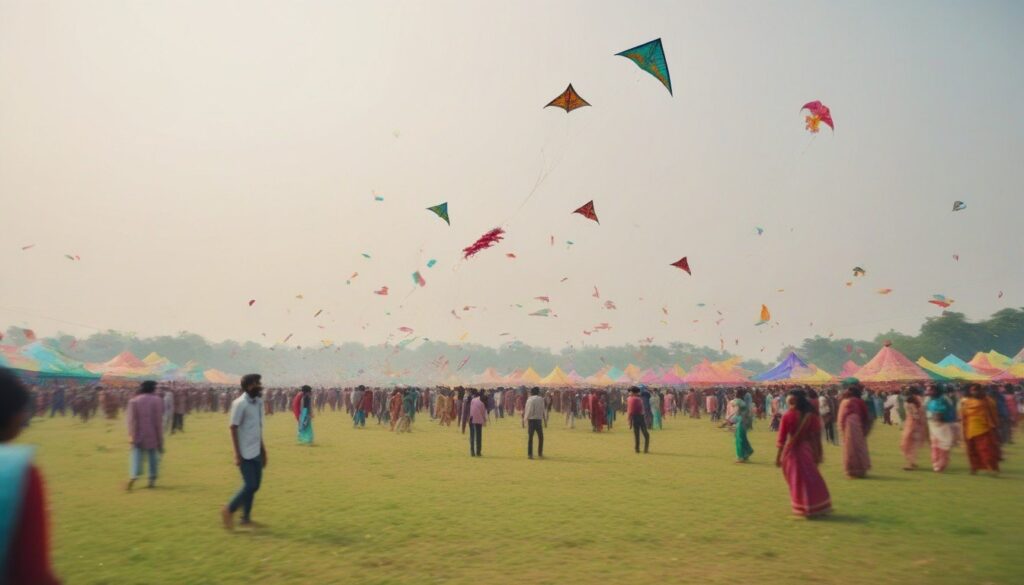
(302, 407)
(743, 420)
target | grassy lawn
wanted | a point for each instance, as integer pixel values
(369, 506)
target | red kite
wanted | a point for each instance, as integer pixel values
(683, 264)
(587, 211)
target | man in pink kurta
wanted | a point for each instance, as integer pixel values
(145, 416)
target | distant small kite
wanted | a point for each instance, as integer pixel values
(587, 211)
(483, 242)
(418, 279)
(597, 293)
(610, 305)
(941, 301)
(252, 302)
(884, 291)
(431, 262)
(759, 230)
(858, 271)
(28, 247)
(510, 255)
(383, 291)
(683, 264)
(543, 299)
(441, 209)
(959, 206)
(819, 113)
(569, 100)
(650, 57)
(317, 314)
(72, 258)
(541, 313)
(956, 257)
(766, 316)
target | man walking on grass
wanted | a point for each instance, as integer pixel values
(250, 453)
(635, 412)
(535, 414)
(145, 416)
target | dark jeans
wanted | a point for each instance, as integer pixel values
(640, 426)
(830, 432)
(536, 427)
(178, 423)
(476, 438)
(252, 475)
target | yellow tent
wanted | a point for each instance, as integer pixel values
(530, 376)
(950, 372)
(556, 378)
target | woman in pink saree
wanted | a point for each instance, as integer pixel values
(855, 425)
(799, 456)
(915, 429)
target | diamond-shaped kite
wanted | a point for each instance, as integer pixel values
(587, 211)
(569, 100)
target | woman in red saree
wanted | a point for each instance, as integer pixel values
(980, 419)
(799, 456)
(855, 425)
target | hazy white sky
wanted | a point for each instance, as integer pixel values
(200, 154)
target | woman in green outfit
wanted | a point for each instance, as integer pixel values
(743, 420)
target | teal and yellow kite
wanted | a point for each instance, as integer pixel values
(651, 58)
(441, 210)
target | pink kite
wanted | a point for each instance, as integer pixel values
(544, 299)
(609, 305)
(28, 247)
(485, 241)
(382, 292)
(418, 279)
(405, 329)
(252, 302)
(819, 113)
(510, 255)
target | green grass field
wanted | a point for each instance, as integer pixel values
(370, 506)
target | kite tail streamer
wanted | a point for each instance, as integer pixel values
(485, 241)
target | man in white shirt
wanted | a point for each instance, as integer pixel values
(250, 454)
(535, 415)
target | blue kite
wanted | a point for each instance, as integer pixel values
(651, 58)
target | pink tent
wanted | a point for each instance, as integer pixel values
(705, 373)
(849, 369)
(889, 365)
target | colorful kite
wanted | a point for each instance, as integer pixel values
(884, 291)
(378, 197)
(382, 292)
(602, 327)
(510, 255)
(72, 258)
(252, 302)
(485, 241)
(431, 262)
(819, 113)
(651, 58)
(405, 329)
(418, 279)
(544, 299)
(441, 209)
(959, 206)
(858, 271)
(587, 211)
(941, 301)
(541, 313)
(765, 315)
(569, 100)
(683, 264)
(351, 278)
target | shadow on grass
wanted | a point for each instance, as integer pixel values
(839, 518)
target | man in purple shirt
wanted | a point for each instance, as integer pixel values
(145, 416)
(477, 420)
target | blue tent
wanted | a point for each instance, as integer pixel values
(783, 371)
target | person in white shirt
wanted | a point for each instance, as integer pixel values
(250, 453)
(535, 415)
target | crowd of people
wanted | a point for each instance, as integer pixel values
(939, 417)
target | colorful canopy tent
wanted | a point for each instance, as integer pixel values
(1019, 358)
(489, 377)
(633, 373)
(575, 377)
(783, 371)
(159, 366)
(705, 373)
(556, 378)
(529, 377)
(1012, 373)
(849, 369)
(53, 364)
(614, 374)
(11, 357)
(651, 377)
(678, 371)
(215, 376)
(670, 378)
(950, 372)
(986, 363)
(813, 375)
(600, 377)
(123, 365)
(889, 365)
(513, 378)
